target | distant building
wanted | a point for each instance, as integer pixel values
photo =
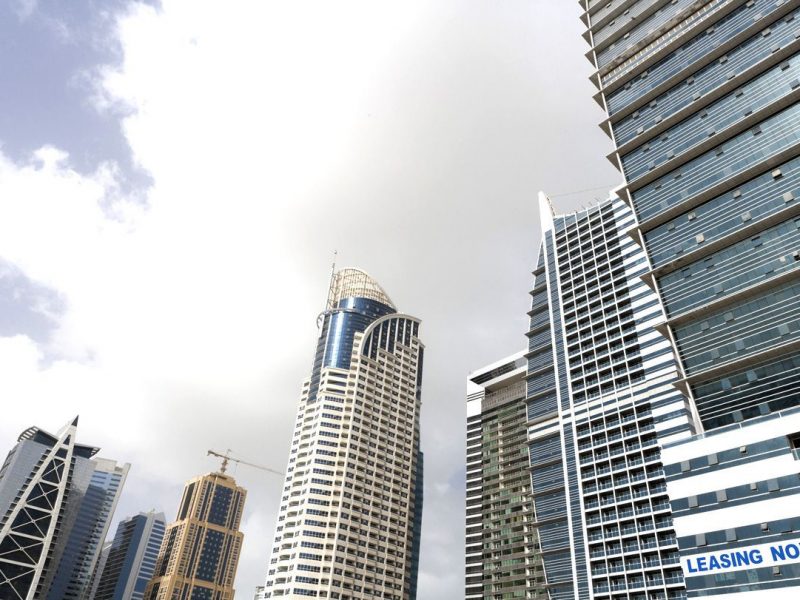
(72, 576)
(350, 513)
(503, 558)
(98, 569)
(131, 558)
(200, 551)
(56, 501)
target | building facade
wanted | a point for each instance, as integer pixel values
(200, 551)
(702, 99)
(131, 559)
(735, 493)
(601, 402)
(72, 577)
(56, 501)
(350, 513)
(503, 559)
(702, 103)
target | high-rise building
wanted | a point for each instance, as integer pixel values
(56, 501)
(72, 576)
(200, 550)
(349, 518)
(503, 559)
(601, 401)
(98, 569)
(131, 558)
(702, 102)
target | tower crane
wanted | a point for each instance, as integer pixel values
(227, 457)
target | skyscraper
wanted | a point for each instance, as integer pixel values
(702, 103)
(348, 524)
(600, 404)
(200, 550)
(566, 492)
(131, 559)
(72, 576)
(55, 504)
(503, 558)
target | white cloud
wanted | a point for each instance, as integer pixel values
(412, 136)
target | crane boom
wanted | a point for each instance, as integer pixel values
(227, 457)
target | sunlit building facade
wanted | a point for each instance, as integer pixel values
(502, 543)
(200, 551)
(350, 512)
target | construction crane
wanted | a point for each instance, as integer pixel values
(227, 457)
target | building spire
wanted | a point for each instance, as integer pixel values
(546, 212)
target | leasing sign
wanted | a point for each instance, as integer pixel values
(773, 554)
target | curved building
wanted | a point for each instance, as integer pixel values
(350, 514)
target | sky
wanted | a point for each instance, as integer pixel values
(174, 179)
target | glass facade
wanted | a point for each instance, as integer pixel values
(703, 103)
(56, 501)
(601, 401)
(705, 116)
(735, 492)
(73, 575)
(503, 559)
(131, 560)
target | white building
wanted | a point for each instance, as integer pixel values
(350, 513)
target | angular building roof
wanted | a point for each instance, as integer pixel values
(355, 283)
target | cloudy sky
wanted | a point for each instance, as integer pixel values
(174, 177)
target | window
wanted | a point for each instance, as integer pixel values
(794, 444)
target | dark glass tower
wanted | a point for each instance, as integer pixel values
(73, 576)
(131, 560)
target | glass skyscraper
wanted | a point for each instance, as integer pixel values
(131, 559)
(702, 107)
(56, 502)
(601, 401)
(702, 102)
(350, 513)
(566, 491)
(72, 577)
(200, 551)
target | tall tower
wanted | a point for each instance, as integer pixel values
(703, 103)
(349, 519)
(566, 487)
(502, 543)
(56, 501)
(131, 559)
(200, 551)
(72, 578)
(601, 405)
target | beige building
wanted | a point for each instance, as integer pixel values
(350, 514)
(200, 551)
